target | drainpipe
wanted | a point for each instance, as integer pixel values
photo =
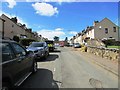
(3, 28)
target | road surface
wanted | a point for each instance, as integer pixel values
(67, 68)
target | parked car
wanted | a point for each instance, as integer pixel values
(77, 45)
(71, 45)
(17, 64)
(50, 44)
(61, 43)
(40, 49)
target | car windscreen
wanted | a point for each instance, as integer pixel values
(49, 42)
(77, 44)
(36, 45)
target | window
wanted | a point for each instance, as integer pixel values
(114, 29)
(7, 53)
(106, 30)
(19, 50)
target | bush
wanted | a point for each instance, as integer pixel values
(111, 42)
(16, 38)
(26, 42)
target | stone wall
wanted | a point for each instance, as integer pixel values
(111, 54)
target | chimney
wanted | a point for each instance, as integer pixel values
(14, 19)
(95, 23)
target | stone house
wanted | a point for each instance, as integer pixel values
(11, 27)
(1, 26)
(103, 29)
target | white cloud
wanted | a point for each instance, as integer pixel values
(45, 9)
(59, 29)
(52, 0)
(73, 32)
(60, 1)
(50, 33)
(11, 3)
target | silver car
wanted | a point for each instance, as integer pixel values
(40, 49)
(77, 45)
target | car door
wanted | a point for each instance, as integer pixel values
(10, 66)
(23, 59)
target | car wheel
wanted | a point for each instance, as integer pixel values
(5, 86)
(46, 54)
(34, 67)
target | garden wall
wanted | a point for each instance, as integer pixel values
(111, 54)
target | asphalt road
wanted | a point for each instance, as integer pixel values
(66, 68)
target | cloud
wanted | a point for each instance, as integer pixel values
(59, 29)
(60, 1)
(45, 9)
(11, 3)
(50, 33)
(73, 32)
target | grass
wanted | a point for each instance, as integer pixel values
(118, 47)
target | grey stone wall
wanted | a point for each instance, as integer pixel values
(111, 54)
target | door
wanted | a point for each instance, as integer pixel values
(24, 61)
(9, 63)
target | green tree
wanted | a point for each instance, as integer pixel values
(56, 38)
(66, 41)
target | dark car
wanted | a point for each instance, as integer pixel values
(50, 44)
(40, 49)
(17, 64)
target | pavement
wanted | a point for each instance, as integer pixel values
(111, 66)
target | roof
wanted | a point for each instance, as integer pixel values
(3, 15)
(105, 19)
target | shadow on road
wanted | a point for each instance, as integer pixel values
(56, 51)
(51, 57)
(43, 78)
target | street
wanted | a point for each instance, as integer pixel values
(67, 68)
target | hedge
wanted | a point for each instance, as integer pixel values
(26, 42)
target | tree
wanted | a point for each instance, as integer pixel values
(56, 38)
(66, 39)
(26, 41)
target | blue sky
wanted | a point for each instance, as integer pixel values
(61, 19)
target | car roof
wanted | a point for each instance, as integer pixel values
(7, 41)
(38, 42)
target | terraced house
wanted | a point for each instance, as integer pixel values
(13, 28)
(104, 29)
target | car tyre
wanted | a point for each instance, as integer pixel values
(5, 86)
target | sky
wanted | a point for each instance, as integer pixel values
(62, 18)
